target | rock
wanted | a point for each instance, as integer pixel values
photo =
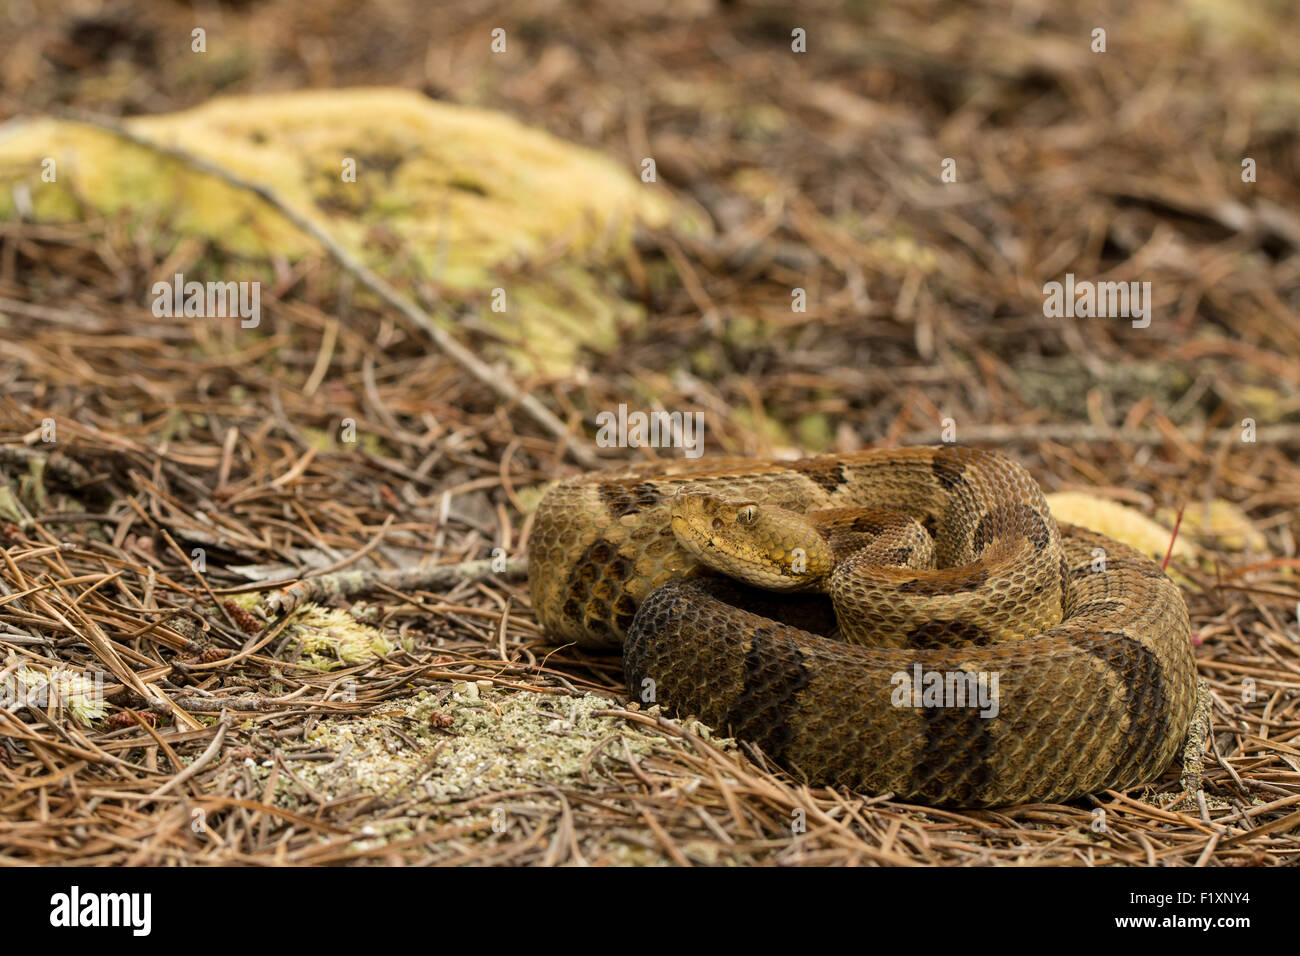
(451, 197)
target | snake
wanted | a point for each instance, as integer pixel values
(909, 622)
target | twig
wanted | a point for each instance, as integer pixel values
(352, 583)
(199, 763)
(1178, 523)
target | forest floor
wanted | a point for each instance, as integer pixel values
(440, 725)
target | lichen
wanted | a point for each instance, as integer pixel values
(453, 746)
(331, 637)
(447, 195)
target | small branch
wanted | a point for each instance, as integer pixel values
(1178, 523)
(215, 705)
(347, 584)
(199, 763)
(495, 379)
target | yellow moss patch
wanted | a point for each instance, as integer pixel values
(54, 690)
(1218, 523)
(459, 198)
(1121, 523)
(332, 638)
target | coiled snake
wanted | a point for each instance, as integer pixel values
(1032, 663)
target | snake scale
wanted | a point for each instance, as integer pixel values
(1082, 641)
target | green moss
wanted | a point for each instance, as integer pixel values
(815, 433)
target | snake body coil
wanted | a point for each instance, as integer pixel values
(1034, 663)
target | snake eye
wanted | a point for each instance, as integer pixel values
(747, 514)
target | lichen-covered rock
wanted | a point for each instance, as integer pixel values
(458, 198)
(1123, 524)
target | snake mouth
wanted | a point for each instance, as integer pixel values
(688, 536)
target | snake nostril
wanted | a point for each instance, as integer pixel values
(717, 524)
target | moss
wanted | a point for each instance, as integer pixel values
(531, 496)
(772, 429)
(1123, 524)
(1218, 523)
(466, 196)
(815, 433)
(331, 638)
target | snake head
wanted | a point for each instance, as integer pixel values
(759, 544)
(699, 509)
